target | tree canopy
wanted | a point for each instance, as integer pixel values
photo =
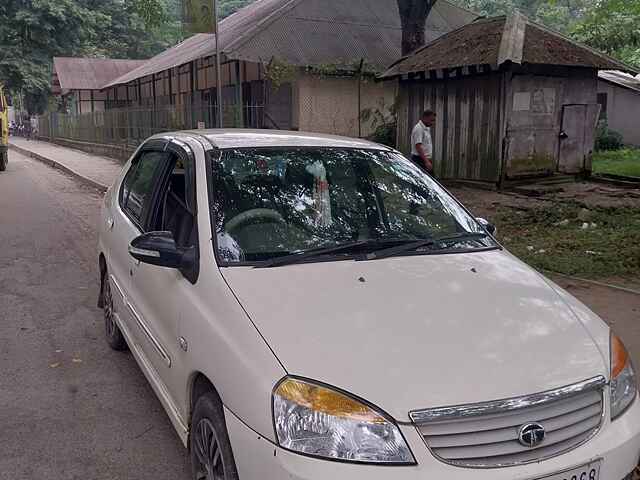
(32, 32)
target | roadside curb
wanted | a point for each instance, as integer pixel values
(55, 164)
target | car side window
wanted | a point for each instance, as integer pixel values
(173, 213)
(139, 183)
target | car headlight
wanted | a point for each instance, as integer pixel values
(319, 421)
(623, 378)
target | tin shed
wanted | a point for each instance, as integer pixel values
(78, 81)
(513, 99)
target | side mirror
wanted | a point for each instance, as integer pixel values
(489, 227)
(157, 248)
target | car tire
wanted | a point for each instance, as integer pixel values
(4, 159)
(114, 336)
(210, 448)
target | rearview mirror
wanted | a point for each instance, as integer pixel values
(488, 226)
(157, 248)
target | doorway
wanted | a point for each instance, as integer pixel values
(571, 158)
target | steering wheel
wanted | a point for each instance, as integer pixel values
(256, 215)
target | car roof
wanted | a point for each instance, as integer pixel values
(240, 138)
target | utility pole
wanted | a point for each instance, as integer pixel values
(218, 75)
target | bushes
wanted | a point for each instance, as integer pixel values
(384, 122)
(607, 139)
(385, 134)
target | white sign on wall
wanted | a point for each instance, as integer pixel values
(543, 101)
(521, 101)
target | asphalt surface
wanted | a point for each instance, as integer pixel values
(70, 408)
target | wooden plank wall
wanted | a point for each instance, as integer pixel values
(468, 132)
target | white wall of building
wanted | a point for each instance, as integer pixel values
(623, 111)
(328, 104)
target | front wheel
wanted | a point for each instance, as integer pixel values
(210, 448)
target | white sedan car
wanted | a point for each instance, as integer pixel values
(312, 307)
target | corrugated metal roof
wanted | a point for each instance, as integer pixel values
(308, 33)
(90, 73)
(621, 78)
(494, 41)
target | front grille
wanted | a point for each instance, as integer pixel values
(486, 435)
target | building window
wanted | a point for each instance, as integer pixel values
(602, 100)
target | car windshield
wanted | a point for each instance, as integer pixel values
(274, 202)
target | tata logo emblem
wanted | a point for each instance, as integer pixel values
(531, 435)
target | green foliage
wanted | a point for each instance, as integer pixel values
(124, 32)
(157, 13)
(279, 72)
(228, 7)
(618, 162)
(33, 32)
(560, 15)
(554, 239)
(343, 68)
(383, 120)
(607, 139)
(153, 13)
(613, 26)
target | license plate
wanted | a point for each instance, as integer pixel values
(586, 472)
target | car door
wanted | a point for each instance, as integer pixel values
(124, 220)
(158, 292)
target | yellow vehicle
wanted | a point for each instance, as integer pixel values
(4, 131)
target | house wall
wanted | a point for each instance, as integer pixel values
(88, 101)
(467, 134)
(176, 85)
(623, 109)
(536, 99)
(330, 104)
(503, 124)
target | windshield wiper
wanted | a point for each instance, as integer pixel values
(408, 247)
(314, 252)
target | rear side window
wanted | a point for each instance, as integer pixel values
(139, 183)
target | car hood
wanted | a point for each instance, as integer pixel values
(421, 331)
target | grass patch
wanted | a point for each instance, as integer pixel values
(618, 162)
(554, 239)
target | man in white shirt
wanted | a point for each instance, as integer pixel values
(421, 143)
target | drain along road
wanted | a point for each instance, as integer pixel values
(70, 408)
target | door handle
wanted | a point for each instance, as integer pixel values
(110, 222)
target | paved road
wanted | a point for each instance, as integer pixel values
(70, 408)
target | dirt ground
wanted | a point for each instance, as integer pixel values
(483, 203)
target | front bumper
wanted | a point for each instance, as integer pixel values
(617, 444)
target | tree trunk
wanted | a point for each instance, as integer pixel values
(413, 15)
